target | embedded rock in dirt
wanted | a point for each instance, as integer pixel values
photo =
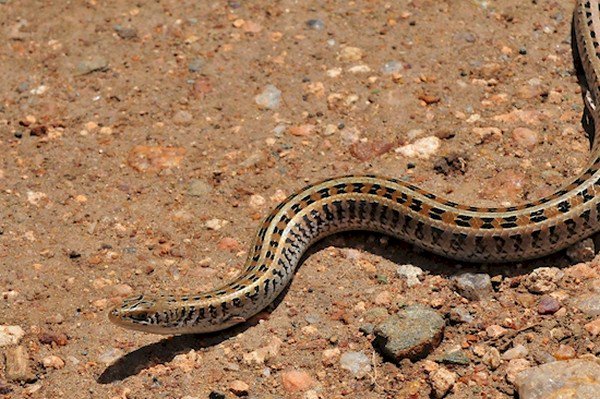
(412, 333)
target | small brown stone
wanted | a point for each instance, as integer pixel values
(297, 381)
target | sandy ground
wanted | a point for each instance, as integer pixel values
(126, 127)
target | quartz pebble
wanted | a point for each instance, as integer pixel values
(410, 273)
(411, 333)
(491, 358)
(315, 24)
(357, 363)
(10, 335)
(269, 98)
(349, 54)
(473, 286)
(442, 380)
(53, 362)
(563, 379)
(494, 331)
(391, 67)
(422, 148)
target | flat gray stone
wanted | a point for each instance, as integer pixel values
(588, 304)
(473, 286)
(412, 333)
(560, 380)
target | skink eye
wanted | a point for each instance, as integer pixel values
(141, 316)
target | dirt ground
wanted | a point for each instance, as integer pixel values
(136, 159)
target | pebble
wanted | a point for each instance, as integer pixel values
(563, 379)
(548, 305)
(182, 118)
(359, 69)
(588, 304)
(261, 355)
(239, 388)
(494, 331)
(357, 363)
(350, 54)
(297, 381)
(410, 273)
(330, 356)
(17, 364)
(516, 352)
(583, 251)
(515, 367)
(473, 286)
(94, 64)
(110, 356)
(257, 201)
(10, 335)
(196, 64)
(543, 280)
(215, 224)
(422, 148)
(53, 362)
(593, 327)
(391, 67)
(148, 159)
(302, 130)
(350, 136)
(126, 32)
(315, 24)
(442, 380)
(269, 98)
(411, 333)
(491, 358)
(228, 243)
(199, 188)
(460, 314)
(455, 356)
(525, 137)
(49, 338)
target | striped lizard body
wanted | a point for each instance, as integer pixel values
(397, 208)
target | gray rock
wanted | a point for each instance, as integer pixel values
(315, 24)
(196, 64)
(126, 32)
(357, 363)
(455, 356)
(473, 286)
(588, 304)
(94, 64)
(199, 188)
(461, 315)
(564, 379)
(269, 98)
(391, 67)
(411, 333)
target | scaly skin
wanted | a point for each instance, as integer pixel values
(400, 209)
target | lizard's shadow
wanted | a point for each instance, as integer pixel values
(396, 251)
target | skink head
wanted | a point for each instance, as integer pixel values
(135, 313)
